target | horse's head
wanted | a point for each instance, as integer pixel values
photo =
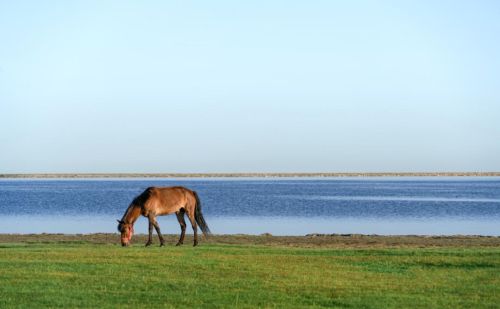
(126, 229)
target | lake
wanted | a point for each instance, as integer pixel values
(280, 206)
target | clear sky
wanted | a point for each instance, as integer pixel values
(249, 86)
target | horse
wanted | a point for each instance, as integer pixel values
(160, 201)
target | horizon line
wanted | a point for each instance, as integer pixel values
(247, 174)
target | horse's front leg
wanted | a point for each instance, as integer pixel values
(157, 227)
(150, 238)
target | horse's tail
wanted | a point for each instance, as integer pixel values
(199, 216)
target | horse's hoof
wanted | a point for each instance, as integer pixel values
(195, 244)
(178, 244)
(148, 244)
(162, 244)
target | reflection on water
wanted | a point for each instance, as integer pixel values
(433, 199)
(461, 205)
(257, 225)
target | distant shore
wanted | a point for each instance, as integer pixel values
(248, 175)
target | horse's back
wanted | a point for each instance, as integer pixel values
(166, 200)
(171, 191)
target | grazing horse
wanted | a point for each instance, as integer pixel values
(159, 202)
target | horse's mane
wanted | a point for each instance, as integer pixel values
(138, 201)
(141, 198)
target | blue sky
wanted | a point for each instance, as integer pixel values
(256, 86)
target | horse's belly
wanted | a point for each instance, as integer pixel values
(165, 213)
(168, 211)
(161, 207)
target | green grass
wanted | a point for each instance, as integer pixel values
(246, 276)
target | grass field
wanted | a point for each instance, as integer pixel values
(216, 275)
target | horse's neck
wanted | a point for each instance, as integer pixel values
(133, 212)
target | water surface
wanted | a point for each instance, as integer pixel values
(406, 205)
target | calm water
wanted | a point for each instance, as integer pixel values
(254, 206)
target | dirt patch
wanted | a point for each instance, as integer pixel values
(308, 241)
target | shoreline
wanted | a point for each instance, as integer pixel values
(307, 241)
(246, 175)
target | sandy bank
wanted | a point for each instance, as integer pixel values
(315, 240)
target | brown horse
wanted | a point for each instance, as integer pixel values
(159, 202)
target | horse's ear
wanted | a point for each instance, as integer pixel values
(118, 221)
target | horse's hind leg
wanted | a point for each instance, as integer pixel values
(195, 228)
(150, 238)
(180, 218)
(153, 221)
